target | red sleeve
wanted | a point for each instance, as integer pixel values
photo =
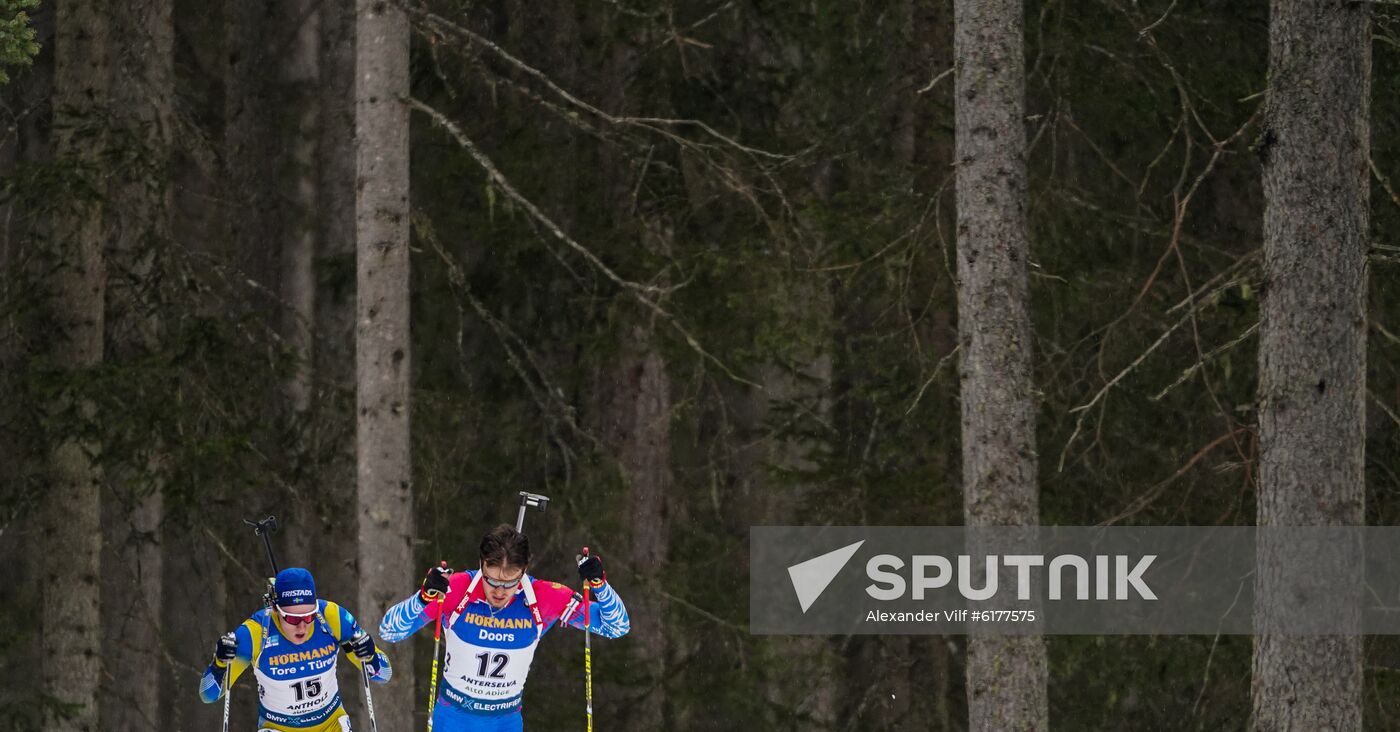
(553, 599)
(457, 589)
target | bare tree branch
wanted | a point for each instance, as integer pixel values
(654, 124)
(641, 293)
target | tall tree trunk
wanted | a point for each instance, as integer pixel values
(1006, 675)
(335, 540)
(251, 140)
(143, 86)
(636, 393)
(930, 159)
(802, 684)
(1312, 337)
(646, 459)
(637, 425)
(383, 366)
(26, 140)
(794, 404)
(191, 559)
(255, 132)
(72, 526)
(301, 78)
(298, 94)
(334, 356)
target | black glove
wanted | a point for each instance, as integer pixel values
(362, 646)
(226, 649)
(435, 585)
(590, 569)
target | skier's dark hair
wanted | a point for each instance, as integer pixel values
(504, 546)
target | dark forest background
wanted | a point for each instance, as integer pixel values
(685, 267)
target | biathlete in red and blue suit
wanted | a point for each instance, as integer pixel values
(493, 619)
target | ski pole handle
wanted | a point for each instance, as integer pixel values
(369, 696)
(349, 648)
(264, 529)
(437, 642)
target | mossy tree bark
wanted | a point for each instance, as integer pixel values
(72, 533)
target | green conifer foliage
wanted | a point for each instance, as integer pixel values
(17, 44)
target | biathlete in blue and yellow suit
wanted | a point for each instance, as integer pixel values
(292, 648)
(493, 619)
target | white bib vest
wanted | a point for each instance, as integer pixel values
(489, 651)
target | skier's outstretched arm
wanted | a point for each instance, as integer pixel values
(421, 608)
(607, 615)
(232, 654)
(403, 620)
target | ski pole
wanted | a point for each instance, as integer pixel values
(228, 670)
(437, 643)
(369, 697)
(364, 676)
(587, 652)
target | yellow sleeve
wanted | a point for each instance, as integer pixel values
(238, 665)
(331, 613)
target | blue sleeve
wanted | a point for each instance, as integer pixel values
(211, 683)
(379, 669)
(403, 620)
(607, 616)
